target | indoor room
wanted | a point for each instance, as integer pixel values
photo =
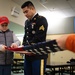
(60, 15)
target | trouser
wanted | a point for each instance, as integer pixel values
(5, 69)
(36, 67)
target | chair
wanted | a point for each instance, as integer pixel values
(18, 63)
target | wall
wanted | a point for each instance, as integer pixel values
(17, 28)
(61, 26)
(5, 9)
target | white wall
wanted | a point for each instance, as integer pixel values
(5, 9)
(61, 26)
(58, 24)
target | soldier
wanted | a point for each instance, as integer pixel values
(35, 31)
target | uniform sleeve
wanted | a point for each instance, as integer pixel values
(41, 30)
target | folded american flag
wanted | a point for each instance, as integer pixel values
(43, 47)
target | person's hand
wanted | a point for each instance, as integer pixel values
(14, 45)
(3, 48)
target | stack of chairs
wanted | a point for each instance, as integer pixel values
(18, 63)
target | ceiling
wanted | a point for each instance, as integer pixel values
(66, 7)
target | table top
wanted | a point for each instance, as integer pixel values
(60, 64)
